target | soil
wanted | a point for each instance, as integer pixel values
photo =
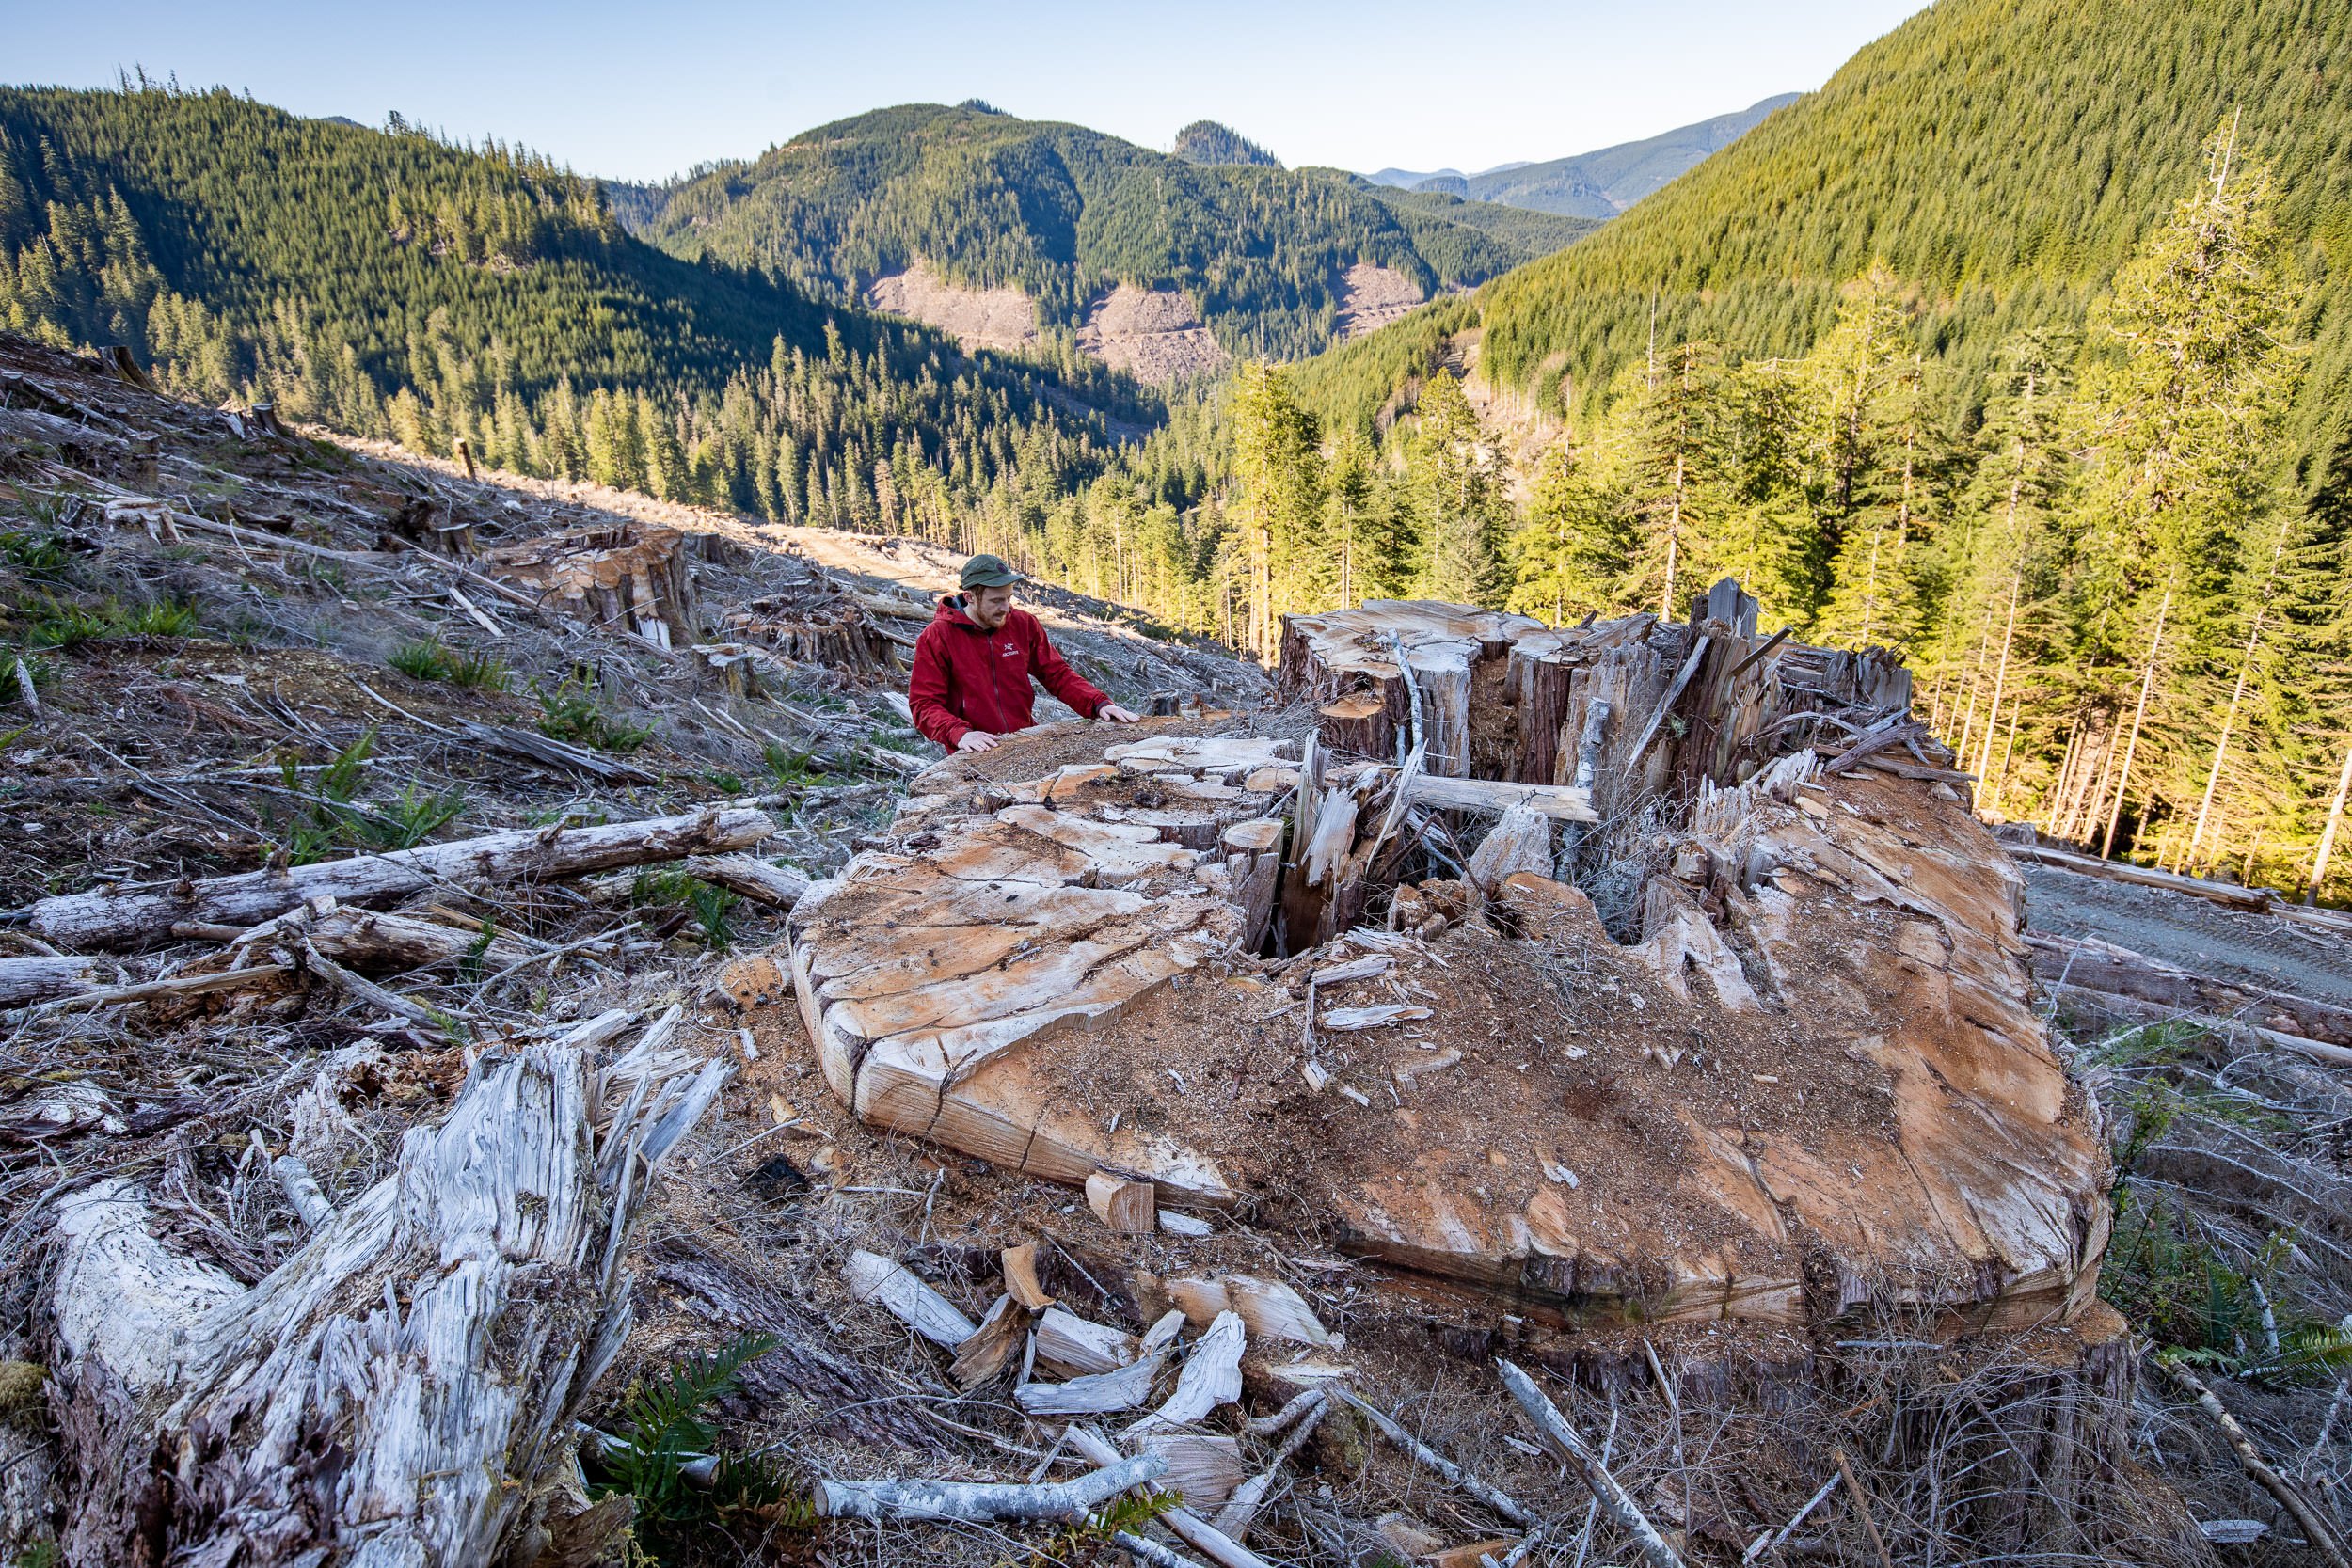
(1373, 296)
(980, 318)
(2236, 947)
(1152, 334)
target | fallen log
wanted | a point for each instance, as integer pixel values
(375, 942)
(972, 1500)
(109, 919)
(443, 1326)
(2316, 1528)
(778, 886)
(2254, 900)
(1493, 797)
(2102, 966)
(173, 987)
(26, 980)
(891, 1285)
(546, 750)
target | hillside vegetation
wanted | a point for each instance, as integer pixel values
(388, 284)
(1063, 214)
(2022, 349)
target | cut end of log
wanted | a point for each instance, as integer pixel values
(1130, 1208)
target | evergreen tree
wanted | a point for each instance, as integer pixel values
(1570, 553)
(1450, 477)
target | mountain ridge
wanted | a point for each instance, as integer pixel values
(1602, 182)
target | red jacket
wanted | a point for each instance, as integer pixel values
(968, 678)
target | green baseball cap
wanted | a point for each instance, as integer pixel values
(987, 571)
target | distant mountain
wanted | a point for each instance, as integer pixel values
(1593, 184)
(1004, 229)
(1601, 184)
(1204, 141)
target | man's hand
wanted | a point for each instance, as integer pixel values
(1116, 715)
(976, 740)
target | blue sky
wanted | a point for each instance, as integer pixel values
(639, 92)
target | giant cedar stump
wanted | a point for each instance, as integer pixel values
(1795, 1071)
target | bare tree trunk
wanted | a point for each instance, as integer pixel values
(2000, 678)
(2237, 695)
(2140, 713)
(2327, 834)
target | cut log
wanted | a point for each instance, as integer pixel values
(28, 980)
(1348, 1021)
(1021, 1281)
(1202, 1469)
(445, 1324)
(1130, 1208)
(110, 919)
(892, 1285)
(1069, 1346)
(777, 886)
(1128, 1388)
(993, 1355)
(973, 1500)
(1520, 840)
(1267, 1307)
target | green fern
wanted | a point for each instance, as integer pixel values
(664, 1429)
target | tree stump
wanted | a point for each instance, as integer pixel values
(1801, 1075)
(631, 576)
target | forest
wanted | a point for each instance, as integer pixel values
(390, 284)
(1063, 213)
(2092, 477)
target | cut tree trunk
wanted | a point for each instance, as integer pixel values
(405, 1387)
(632, 577)
(109, 919)
(26, 980)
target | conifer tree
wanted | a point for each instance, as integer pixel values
(1570, 553)
(2183, 417)
(1450, 477)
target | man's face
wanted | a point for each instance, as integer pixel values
(988, 607)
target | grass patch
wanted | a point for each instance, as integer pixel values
(63, 624)
(328, 818)
(791, 768)
(435, 660)
(34, 554)
(571, 713)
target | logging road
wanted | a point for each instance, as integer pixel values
(2189, 933)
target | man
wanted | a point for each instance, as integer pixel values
(973, 664)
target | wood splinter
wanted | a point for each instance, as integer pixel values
(1130, 1208)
